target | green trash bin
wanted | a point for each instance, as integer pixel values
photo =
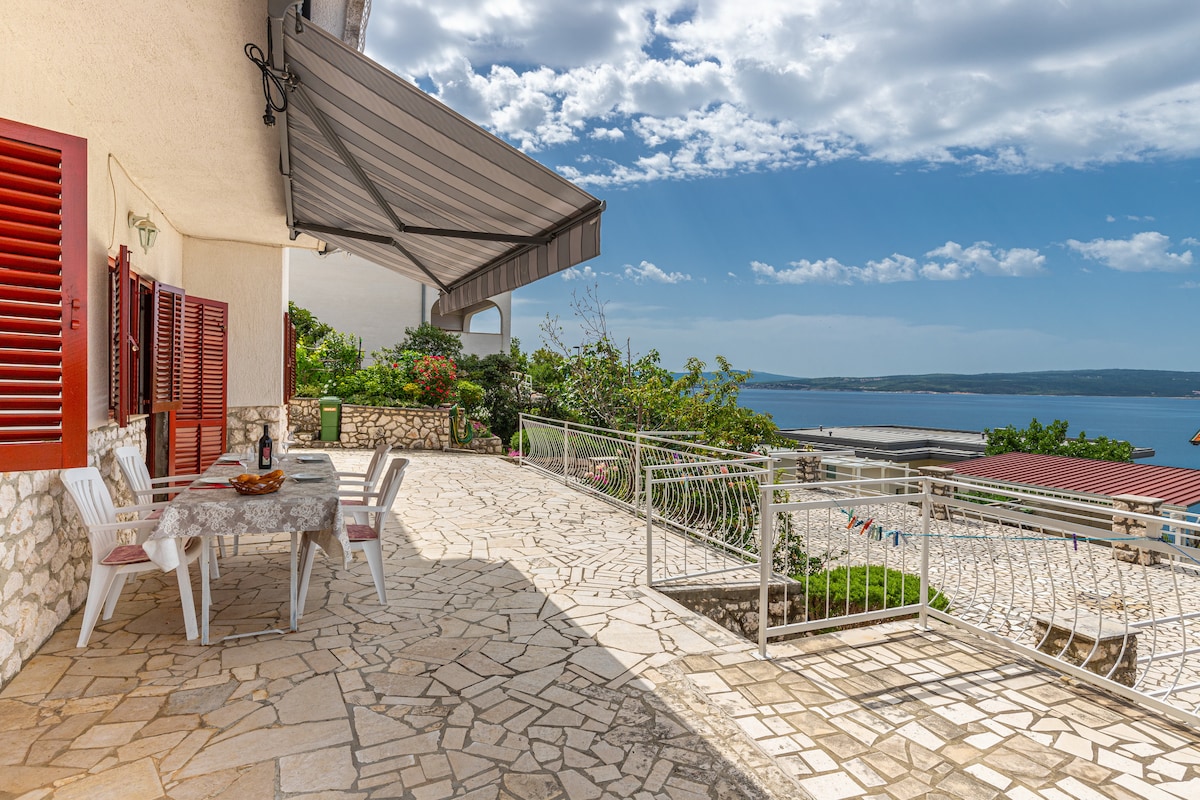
(331, 418)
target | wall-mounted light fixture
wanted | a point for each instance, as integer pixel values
(147, 230)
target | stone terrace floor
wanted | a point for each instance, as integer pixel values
(520, 656)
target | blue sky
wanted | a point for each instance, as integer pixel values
(852, 187)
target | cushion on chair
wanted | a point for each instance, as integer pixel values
(125, 554)
(351, 501)
(361, 533)
(155, 514)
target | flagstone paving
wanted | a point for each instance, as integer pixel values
(520, 656)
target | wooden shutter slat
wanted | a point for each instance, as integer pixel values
(28, 151)
(27, 356)
(30, 372)
(30, 294)
(35, 310)
(30, 216)
(42, 251)
(12, 197)
(26, 278)
(23, 340)
(19, 325)
(20, 164)
(24, 388)
(29, 404)
(30, 232)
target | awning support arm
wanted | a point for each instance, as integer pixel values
(335, 141)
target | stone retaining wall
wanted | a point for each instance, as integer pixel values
(243, 426)
(44, 554)
(368, 426)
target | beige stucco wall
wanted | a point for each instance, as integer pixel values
(376, 303)
(253, 281)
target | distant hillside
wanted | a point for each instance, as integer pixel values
(1094, 383)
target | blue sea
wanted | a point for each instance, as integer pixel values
(1164, 424)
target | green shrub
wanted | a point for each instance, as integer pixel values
(519, 441)
(854, 590)
(376, 385)
(470, 396)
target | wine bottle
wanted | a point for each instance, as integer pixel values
(264, 448)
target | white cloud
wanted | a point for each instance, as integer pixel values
(1190, 285)
(950, 262)
(1191, 241)
(1143, 252)
(724, 86)
(1016, 263)
(647, 272)
(611, 134)
(584, 273)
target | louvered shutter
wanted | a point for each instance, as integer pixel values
(289, 358)
(167, 335)
(200, 421)
(122, 390)
(43, 299)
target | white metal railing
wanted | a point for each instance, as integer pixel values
(700, 503)
(1046, 583)
(605, 462)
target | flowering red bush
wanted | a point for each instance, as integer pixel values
(434, 377)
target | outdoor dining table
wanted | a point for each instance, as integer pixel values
(307, 508)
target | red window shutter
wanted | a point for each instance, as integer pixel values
(43, 299)
(200, 421)
(123, 294)
(167, 334)
(289, 358)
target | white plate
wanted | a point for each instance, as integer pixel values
(213, 481)
(308, 476)
(230, 459)
(309, 459)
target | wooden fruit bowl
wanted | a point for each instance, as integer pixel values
(261, 484)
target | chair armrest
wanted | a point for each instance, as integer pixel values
(347, 482)
(341, 475)
(357, 493)
(175, 479)
(142, 494)
(132, 524)
(367, 510)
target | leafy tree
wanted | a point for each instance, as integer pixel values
(603, 384)
(502, 401)
(1052, 440)
(309, 329)
(425, 338)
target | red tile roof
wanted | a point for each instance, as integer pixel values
(1173, 485)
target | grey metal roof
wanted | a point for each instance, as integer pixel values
(377, 167)
(903, 443)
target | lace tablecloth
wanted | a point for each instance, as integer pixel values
(310, 506)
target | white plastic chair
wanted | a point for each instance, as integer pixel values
(137, 476)
(113, 562)
(366, 538)
(364, 483)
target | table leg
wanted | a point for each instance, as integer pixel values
(205, 592)
(292, 586)
(184, 578)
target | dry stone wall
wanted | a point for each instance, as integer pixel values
(369, 426)
(44, 554)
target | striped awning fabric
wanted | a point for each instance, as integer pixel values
(377, 167)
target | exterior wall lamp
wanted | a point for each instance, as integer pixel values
(147, 230)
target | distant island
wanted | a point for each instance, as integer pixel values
(1087, 383)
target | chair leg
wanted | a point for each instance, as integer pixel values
(373, 550)
(212, 557)
(98, 588)
(310, 552)
(114, 594)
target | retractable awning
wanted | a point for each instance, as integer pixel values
(375, 166)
